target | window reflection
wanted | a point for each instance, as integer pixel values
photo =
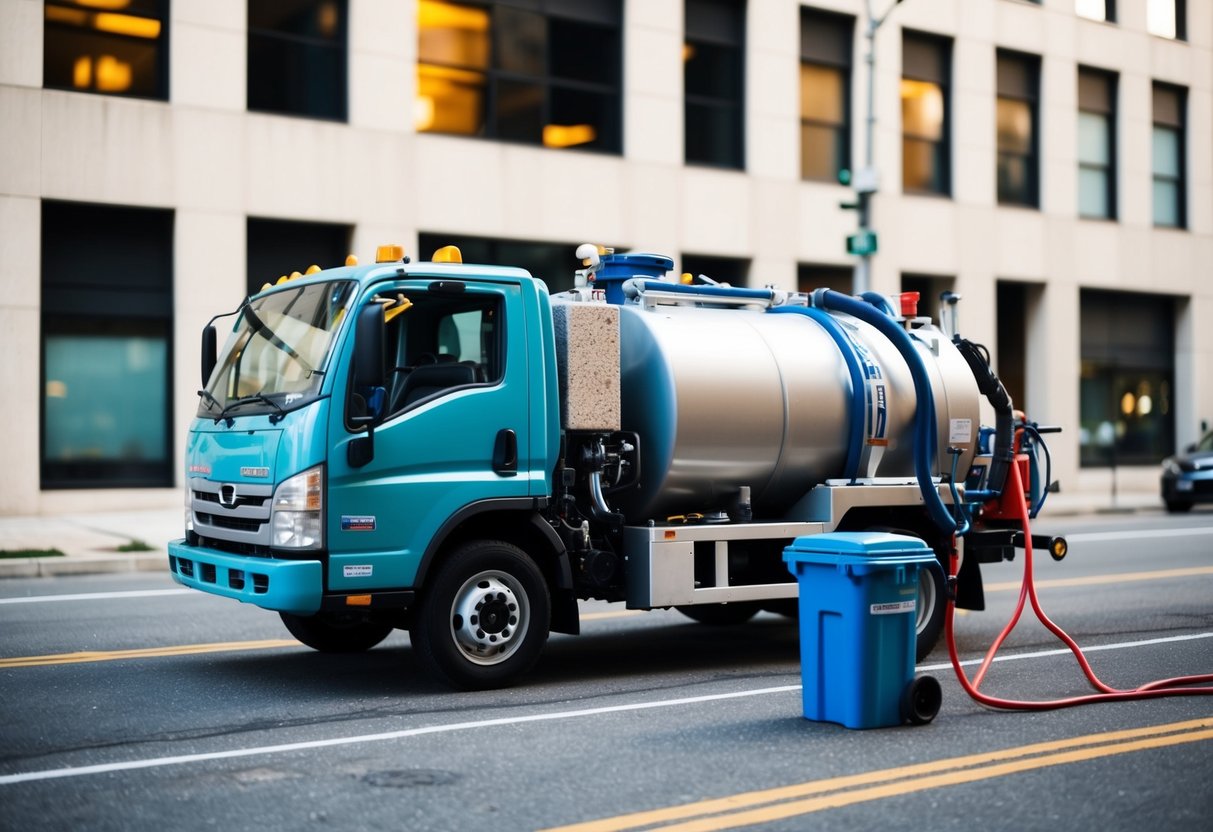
(494, 70)
(115, 47)
(825, 69)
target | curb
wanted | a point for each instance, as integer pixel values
(82, 565)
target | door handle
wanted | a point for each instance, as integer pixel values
(505, 453)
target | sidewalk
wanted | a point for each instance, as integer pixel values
(90, 542)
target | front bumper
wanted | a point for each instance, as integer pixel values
(293, 586)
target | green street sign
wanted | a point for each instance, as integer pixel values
(862, 243)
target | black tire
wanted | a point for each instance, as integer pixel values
(722, 615)
(1178, 506)
(336, 632)
(930, 609)
(921, 700)
(483, 618)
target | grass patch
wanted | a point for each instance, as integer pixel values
(30, 553)
(135, 546)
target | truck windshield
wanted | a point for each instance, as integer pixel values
(276, 356)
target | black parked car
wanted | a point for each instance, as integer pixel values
(1187, 478)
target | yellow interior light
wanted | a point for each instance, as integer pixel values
(568, 135)
(125, 24)
(448, 254)
(389, 254)
(107, 5)
(351, 260)
(113, 75)
(312, 269)
(82, 73)
(72, 17)
(435, 14)
(357, 600)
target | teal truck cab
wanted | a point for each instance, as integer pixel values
(448, 449)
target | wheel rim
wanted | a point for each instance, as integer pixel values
(926, 599)
(490, 617)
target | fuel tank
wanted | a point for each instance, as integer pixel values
(726, 397)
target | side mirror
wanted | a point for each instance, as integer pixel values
(368, 347)
(210, 355)
(369, 374)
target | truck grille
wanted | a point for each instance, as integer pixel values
(234, 516)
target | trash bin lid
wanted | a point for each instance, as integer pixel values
(857, 544)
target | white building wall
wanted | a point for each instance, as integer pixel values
(203, 155)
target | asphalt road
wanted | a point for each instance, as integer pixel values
(126, 703)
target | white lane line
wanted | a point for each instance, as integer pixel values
(1137, 534)
(98, 596)
(157, 762)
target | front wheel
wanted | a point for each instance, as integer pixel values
(483, 617)
(1178, 506)
(336, 632)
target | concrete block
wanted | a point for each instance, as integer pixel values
(587, 365)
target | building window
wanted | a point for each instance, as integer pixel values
(110, 48)
(553, 263)
(1018, 131)
(1167, 18)
(810, 276)
(925, 70)
(731, 270)
(713, 62)
(825, 94)
(1169, 197)
(297, 57)
(1096, 9)
(499, 71)
(279, 247)
(1096, 144)
(1128, 368)
(107, 317)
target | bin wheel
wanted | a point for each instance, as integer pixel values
(921, 700)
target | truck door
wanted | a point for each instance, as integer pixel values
(455, 429)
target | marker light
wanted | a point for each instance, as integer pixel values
(351, 260)
(389, 254)
(448, 254)
(312, 269)
(297, 518)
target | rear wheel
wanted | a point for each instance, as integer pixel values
(336, 632)
(930, 611)
(484, 616)
(1178, 506)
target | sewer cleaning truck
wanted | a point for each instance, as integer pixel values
(449, 449)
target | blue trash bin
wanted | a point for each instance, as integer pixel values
(858, 610)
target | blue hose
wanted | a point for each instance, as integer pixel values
(858, 391)
(924, 413)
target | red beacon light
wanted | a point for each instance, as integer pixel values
(909, 304)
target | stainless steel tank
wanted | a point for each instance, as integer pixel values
(724, 398)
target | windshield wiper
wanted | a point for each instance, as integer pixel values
(276, 417)
(261, 327)
(211, 401)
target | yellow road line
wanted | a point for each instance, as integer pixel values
(1092, 580)
(788, 801)
(150, 652)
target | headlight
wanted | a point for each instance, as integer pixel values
(1171, 467)
(298, 518)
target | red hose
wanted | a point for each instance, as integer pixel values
(1027, 592)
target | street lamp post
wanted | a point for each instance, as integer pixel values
(866, 181)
